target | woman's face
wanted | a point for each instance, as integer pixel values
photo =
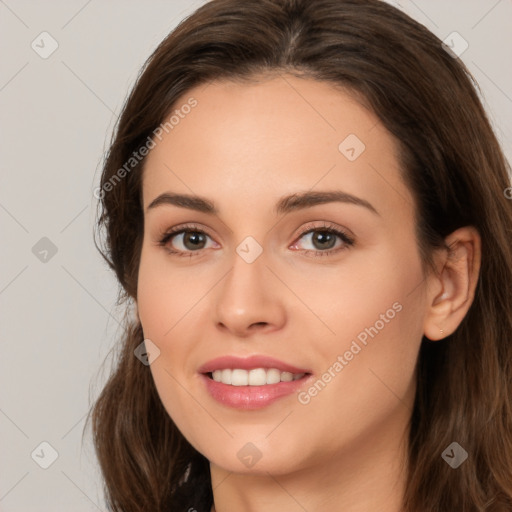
(267, 275)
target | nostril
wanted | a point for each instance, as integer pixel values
(258, 324)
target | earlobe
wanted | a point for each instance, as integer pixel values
(452, 288)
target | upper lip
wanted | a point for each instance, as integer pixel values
(249, 363)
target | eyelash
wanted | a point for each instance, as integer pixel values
(326, 228)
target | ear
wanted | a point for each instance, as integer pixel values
(451, 289)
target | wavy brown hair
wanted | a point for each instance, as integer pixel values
(453, 165)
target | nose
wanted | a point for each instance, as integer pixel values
(250, 299)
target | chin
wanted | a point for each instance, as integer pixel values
(249, 460)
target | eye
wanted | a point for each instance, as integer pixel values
(323, 240)
(185, 240)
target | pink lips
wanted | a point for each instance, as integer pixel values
(250, 397)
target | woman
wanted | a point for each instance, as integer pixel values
(254, 375)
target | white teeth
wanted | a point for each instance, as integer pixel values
(226, 376)
(286, 377)
(239, 377)
(273, 376)
(255, 377)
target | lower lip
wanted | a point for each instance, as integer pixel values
(251, 397)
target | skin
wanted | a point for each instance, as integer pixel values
(243, 147)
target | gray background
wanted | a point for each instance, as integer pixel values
(58, 313)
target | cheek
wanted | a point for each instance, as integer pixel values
(373, 311)
(366, 382)
(361, 296)
(166, 293)
(164, 300)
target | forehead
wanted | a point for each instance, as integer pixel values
(249, 143)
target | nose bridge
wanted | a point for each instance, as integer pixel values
(244, 286)
(248, 295)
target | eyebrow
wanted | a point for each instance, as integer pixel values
(286, 204)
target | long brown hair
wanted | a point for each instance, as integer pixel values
(451, 161)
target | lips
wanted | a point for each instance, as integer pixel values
(234, 381)
(249, 363)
